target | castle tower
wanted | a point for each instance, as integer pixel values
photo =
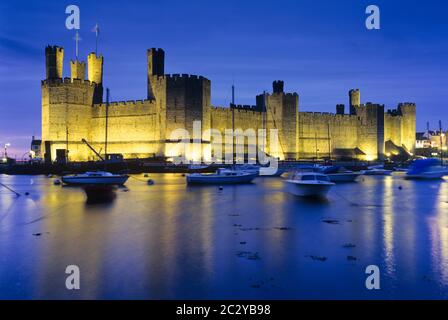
(66, 109)
(78, 69)
(408, 125)
(156, 67)
(282, 114)
(355, 100)
(95, 74)
(340, 109)
(54, 58)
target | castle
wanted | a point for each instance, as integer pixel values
(73, 109)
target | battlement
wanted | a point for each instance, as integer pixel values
(66, 81)
(93, 54)
(244, 107)
(325, 114)
(179, 77)
(288, 95)
(128, 103)
(410, 104)
(156, 50)
(53, 49)
(393, 113)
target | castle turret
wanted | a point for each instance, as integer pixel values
(278, 86)
(156, 67)
(95, 73)
(355, 100)
(95, 68)
(54, 58)
(156, 62)
(78, 69)
(340, 109)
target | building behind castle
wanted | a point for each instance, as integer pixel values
(73, 109)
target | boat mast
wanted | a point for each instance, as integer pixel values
(329, 141)
(107, 122)
(233, 125)
(441, 142)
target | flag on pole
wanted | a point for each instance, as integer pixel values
(96, 29)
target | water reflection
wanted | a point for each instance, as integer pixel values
(168, 240)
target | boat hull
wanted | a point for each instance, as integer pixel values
(343, 177)
(434, 175)
(83, 181)
(308, 190)
(215, 179)
(378, 173)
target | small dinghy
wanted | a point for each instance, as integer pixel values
(222, 176)
(377, 171)
(426, 169)
(308, 184)
(95, 178)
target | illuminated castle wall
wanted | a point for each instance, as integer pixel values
(73, 109)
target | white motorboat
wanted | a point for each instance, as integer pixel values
(339, 174)
(426, 169)
(95, 178)
(308, 184)
(222, 176)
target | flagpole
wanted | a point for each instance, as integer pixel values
(97, 33)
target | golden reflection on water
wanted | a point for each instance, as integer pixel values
(388, 222)
(439, 234)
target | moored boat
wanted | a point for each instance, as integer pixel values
(222, 176)
(308, 184)
(426, 169)
(377, 171)
(95, 178)
(339, 174)
(250, 168)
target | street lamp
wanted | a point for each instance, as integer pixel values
(6, 149)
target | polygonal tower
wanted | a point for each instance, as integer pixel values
(95, 74)
(156, 67)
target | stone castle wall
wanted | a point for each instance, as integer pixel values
(321, 133)
(133, 128)
(72, 110)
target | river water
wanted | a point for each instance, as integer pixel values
(172, 241)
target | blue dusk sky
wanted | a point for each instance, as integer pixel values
(319, 48)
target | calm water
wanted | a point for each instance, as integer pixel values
(250, 241)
